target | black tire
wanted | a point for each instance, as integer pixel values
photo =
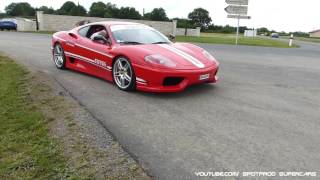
(121, 76)
(59, 57)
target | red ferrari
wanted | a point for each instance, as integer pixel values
(133, 56)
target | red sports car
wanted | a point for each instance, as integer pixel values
(133, 56)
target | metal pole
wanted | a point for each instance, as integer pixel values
(37, 22)
(186, 29)
(237, 38)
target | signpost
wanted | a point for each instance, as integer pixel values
(237, 16)
(238, 2)
(234, 9)
(237, 9)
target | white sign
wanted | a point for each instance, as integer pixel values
(231, 9)
(238, 16)
(237, 9)
(238, 2)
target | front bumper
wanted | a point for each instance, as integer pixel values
(152, 80)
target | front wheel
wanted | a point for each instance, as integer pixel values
(59, 57)
(123, 74)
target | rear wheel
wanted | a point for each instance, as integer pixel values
(123, 74)
(59, 57)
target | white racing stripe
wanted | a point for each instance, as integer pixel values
(105, 54)
(186, 56)
(79, 45)
(91, 61)
(59, 38)
(141, 81)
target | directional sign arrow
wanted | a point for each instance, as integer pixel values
(237, 16)
(231, 9)
(238, 2)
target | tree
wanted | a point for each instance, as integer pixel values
(299, 34)
(78, 11)
(2, 15)
(157, 14)
(111, 11)
(46, 10)
(221, 29)
(184, 23)
(70, 8)
(263, 30)
(98, 9)
(200, 18)
(128, 13)
(242, 29)
(20, 9)
(66, 8)
(147, 16)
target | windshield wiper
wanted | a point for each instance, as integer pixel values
(161, 42)
(130, 42)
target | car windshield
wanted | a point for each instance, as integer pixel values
(137, 34)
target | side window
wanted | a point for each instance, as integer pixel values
(84, 31)
(95, 28)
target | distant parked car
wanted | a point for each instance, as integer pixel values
(274, 35)
(8, 25)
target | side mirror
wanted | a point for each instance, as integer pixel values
(172, 37)
(101, 39)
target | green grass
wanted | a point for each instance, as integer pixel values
(218, 38)
(26, 150)
(232, 35)
(40, 32)
(307, 39)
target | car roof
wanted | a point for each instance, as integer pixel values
(7, 22)
(108, 23)
(114, 23)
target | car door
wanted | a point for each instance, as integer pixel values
(96, 57)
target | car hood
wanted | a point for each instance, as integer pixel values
(186, 56)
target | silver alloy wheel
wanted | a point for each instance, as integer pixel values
(58, 56)
(122, 73)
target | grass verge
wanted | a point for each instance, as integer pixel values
(40, 32)
(307, 39)
(46, 134)
(26, 150)
(213, 38)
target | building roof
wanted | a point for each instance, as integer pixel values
(318, 30)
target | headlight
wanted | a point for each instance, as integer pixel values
(158, 59)
(208, 56)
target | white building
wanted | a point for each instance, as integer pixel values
(250, 33)
(315, 33)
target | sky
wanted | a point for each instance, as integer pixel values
(280, 15)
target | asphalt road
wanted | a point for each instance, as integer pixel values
(264, 114)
